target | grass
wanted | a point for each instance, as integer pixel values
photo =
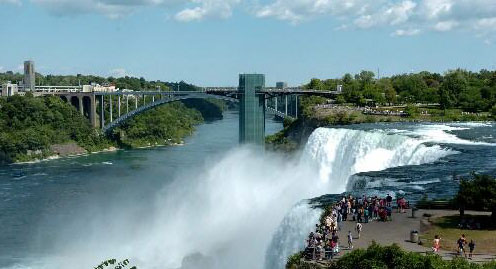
(447, 228)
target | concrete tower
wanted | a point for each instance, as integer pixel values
(29, 76)
(252, 109)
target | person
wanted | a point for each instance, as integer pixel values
(335, 239)
(366, 215)
(471, 247)
(350, 240)
(461, 245)
(389, 199)
(359, 229)
(328, 250)
(436, 244)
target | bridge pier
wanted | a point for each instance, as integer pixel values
(286, 105)
(81, 108)
(119, 105)
(110, 99)
(296, 107)
(252, 109)
(102, 111)
(92, 111)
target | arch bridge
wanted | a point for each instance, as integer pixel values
(254, 98)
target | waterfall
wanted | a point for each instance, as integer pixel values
(337, 154)
(290, 236)
(340, 153)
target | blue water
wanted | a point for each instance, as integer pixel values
(45, 206)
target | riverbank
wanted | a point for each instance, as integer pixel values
(296, 133)
(36, 129)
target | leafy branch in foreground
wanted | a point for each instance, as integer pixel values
(111, 262)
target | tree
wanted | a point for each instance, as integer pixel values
(315, 84)
(390, 95)
(453, 85)
(478, 193)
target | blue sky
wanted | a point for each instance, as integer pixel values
(208, 42)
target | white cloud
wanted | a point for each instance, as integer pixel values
(110, 8)
(1, 68)
(486, 23)
(433, 9)
(301, 10)
(444, 26)
(406, 32)
(401, 17)
(419, 15)
(207, 9)
(189, 9)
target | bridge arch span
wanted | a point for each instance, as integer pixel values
(120, 120)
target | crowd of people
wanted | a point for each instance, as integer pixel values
(324, 242)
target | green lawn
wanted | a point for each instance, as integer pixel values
(447, 229)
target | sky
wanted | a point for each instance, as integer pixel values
(209, 42)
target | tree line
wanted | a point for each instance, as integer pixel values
(470, 91)
(126, 82)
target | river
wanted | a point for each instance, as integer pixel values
(212, 204)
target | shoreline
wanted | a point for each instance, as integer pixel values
(68, 156)
(106, 150)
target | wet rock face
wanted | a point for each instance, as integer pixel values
(67, 149)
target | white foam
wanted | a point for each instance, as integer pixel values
(341, 153)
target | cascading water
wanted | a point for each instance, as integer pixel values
(227, 213)
(341, 153)
(338, 154)
(289, 236)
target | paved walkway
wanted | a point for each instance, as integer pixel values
(398, 231)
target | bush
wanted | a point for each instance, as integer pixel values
(376, 256)
(294, 260)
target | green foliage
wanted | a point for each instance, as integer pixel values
(210, 109)
(30, 125)
(112, 263)
(309, 102)
(341, 118)
(493, 112)
(287, 122)
(294, 260)
(393, 257)
(164, 125)
(478, 193)
(470, 91)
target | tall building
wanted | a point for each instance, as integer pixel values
(29, 76)
(281, 85)
(252, 110)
